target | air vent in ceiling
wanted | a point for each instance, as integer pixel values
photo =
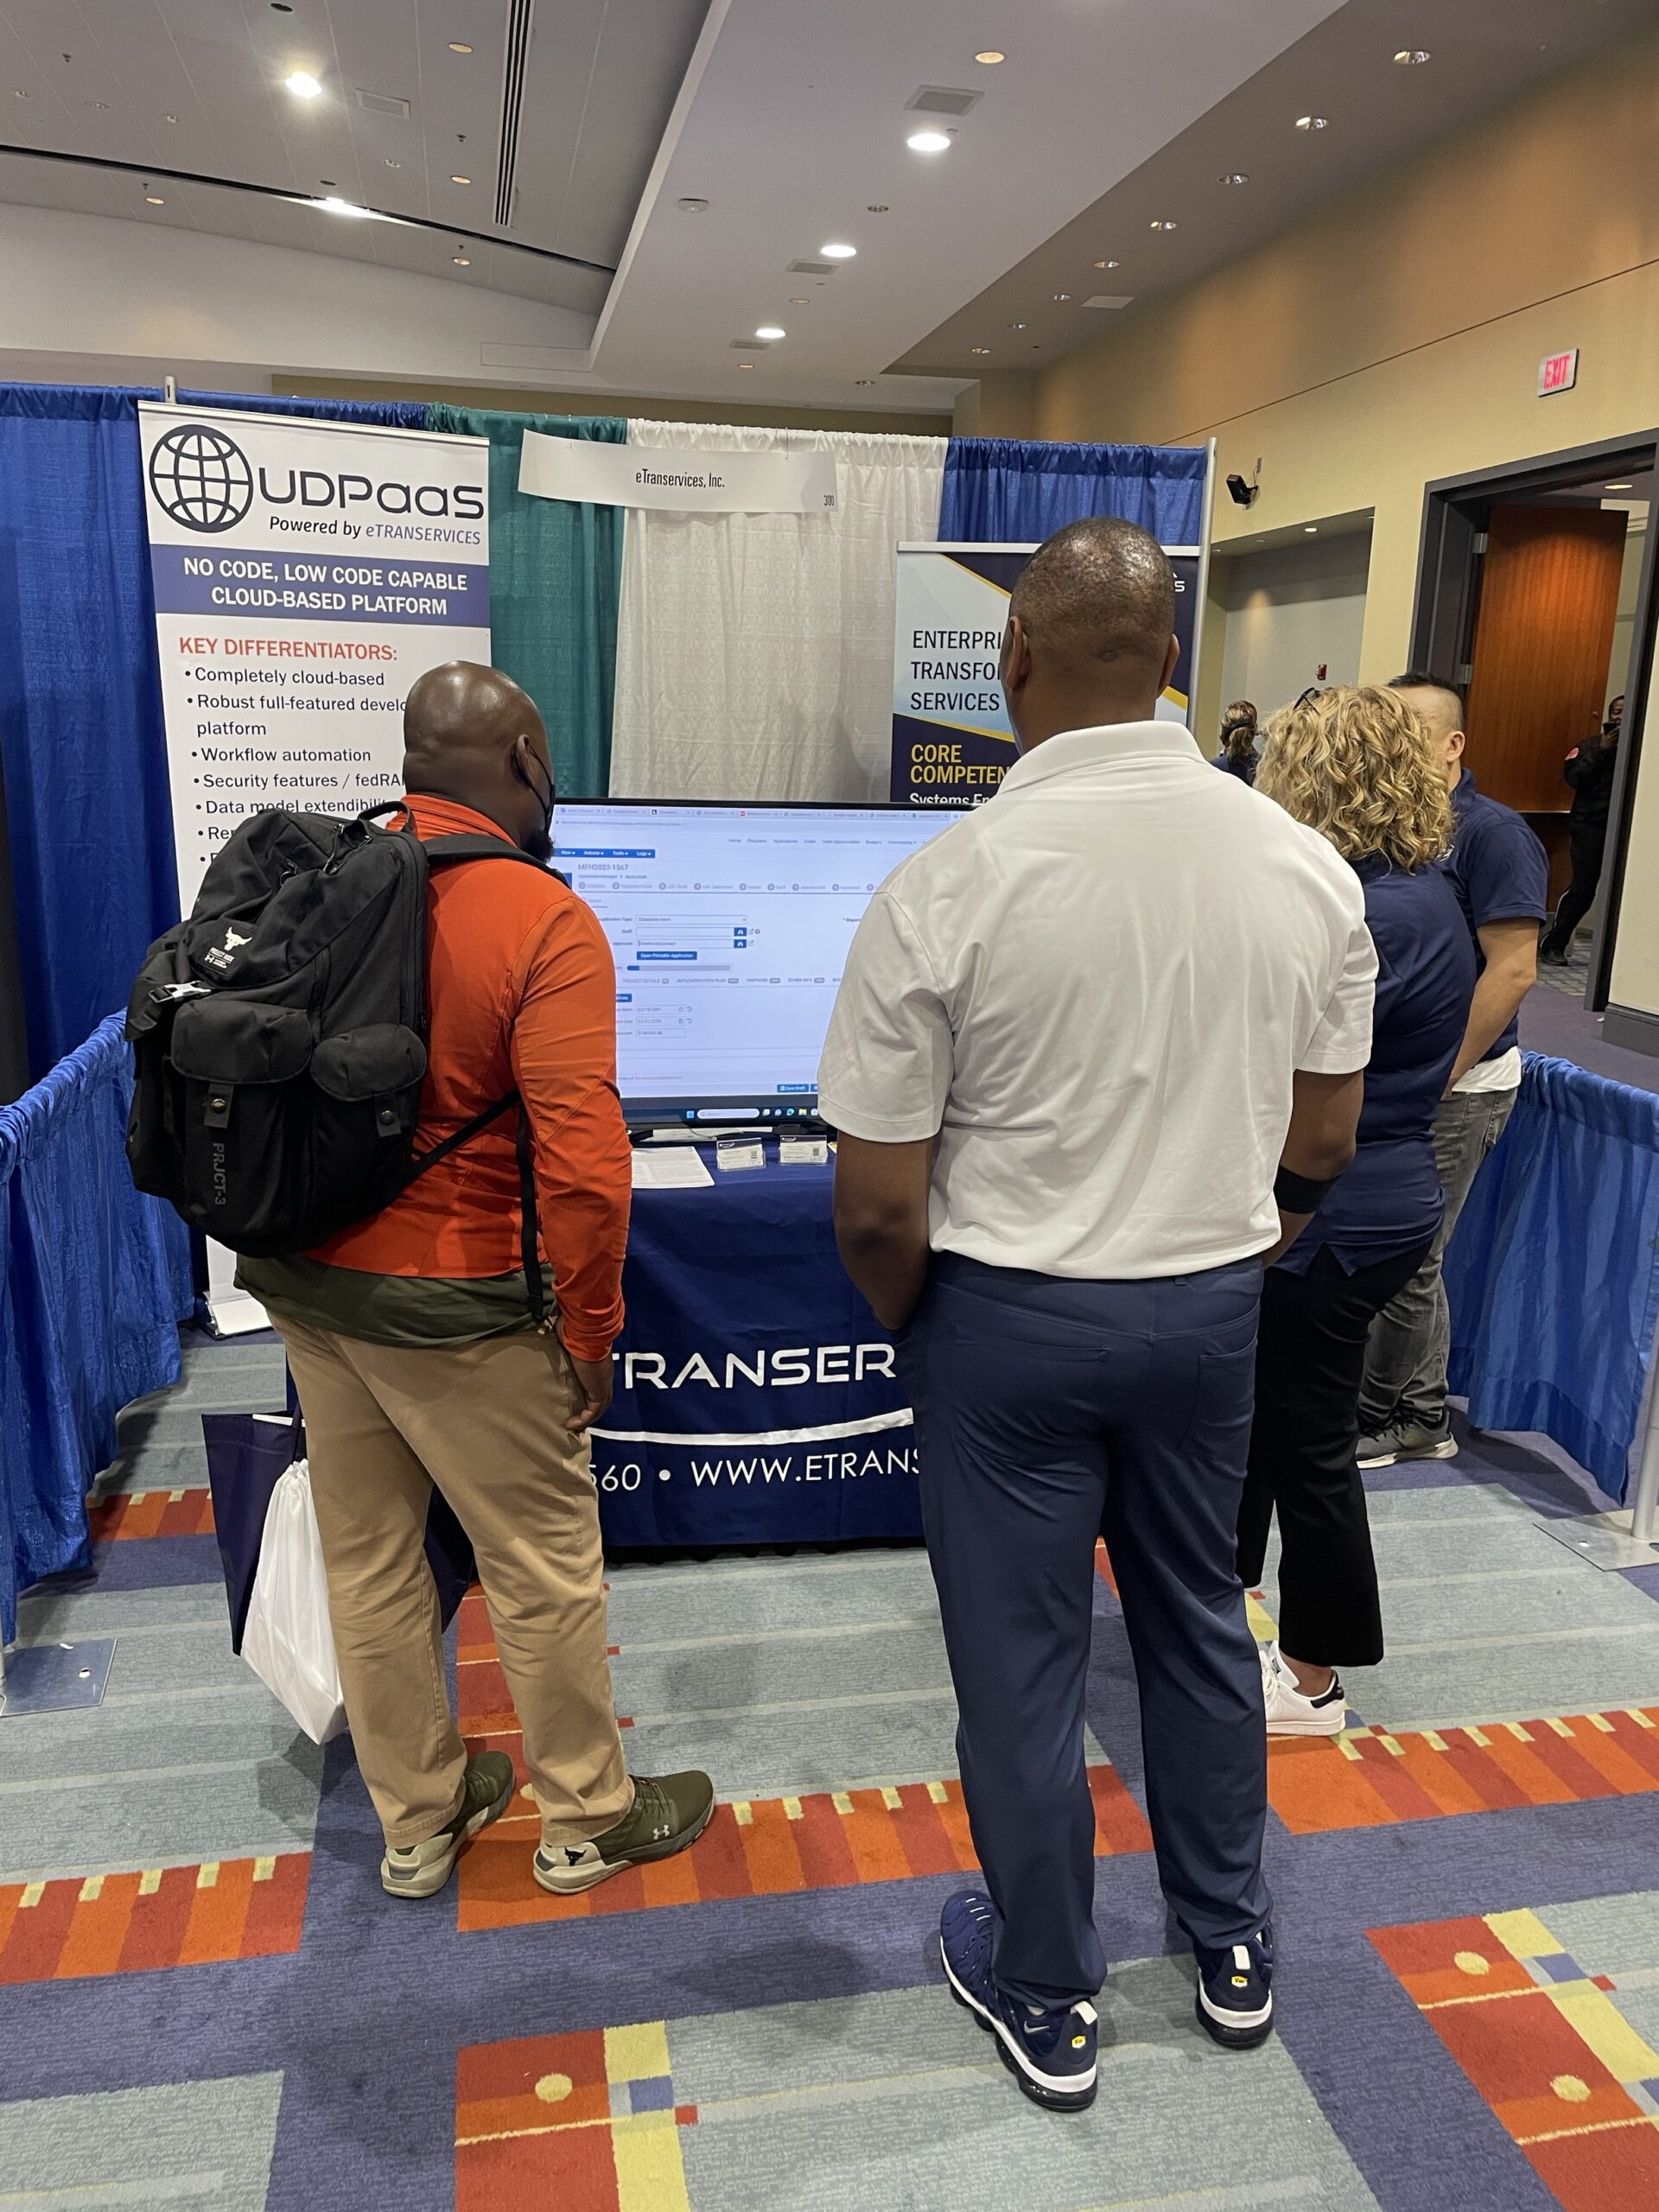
(811, 267)
(383, 104)
(942, 99)
(1109, 300)
(521, 16)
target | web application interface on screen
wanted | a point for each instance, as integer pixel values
(730, 927)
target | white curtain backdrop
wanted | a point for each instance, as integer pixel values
(755, 653)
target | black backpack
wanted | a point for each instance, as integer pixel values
(279, 1035)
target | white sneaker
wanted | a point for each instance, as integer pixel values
(1290, 1713)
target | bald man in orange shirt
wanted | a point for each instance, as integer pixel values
(412, 1342)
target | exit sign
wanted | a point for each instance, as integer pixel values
(1557, 372)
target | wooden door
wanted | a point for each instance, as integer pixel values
(1548, 601)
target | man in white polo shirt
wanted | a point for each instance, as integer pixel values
(1080, 1035)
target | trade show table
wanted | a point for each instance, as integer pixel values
(757, 1397)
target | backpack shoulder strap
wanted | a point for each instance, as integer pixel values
(472, 846)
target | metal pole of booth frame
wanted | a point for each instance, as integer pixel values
(1644, 1499)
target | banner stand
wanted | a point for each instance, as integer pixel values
(305, 574)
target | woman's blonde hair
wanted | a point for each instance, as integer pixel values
(1356, 764)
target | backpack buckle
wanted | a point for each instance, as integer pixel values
(217, 1113)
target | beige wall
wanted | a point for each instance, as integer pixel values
(609, 402)
(1394, 338)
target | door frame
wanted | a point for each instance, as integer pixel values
(1447, 606)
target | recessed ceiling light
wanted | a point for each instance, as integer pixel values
(1109, 264)
(345, 208)
(864, 380)
(391, 164)
(746, 364)
(1312, 122)
(928, 142)
(692, 206)
(459, 178)
(303, 85)
(1016, 326)
(281, 8)
(463, 261)
(459, 46)
(1413, 57)
(102, 104)
(18, 93)
(837, 253)
(769, 333)
(1619, 487)
(1234, 177)
(1162, 223)
(169, 118)
(978, 349)
(799, 300)
(990, 57)
(328, 183)
(878, 207)
(1062, 295)
(154, 200)
(1310, 530)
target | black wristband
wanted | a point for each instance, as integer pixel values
(1293, 1193)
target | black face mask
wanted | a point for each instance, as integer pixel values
(539, 843)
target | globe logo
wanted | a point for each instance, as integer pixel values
(200, 477)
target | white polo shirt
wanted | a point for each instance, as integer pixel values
(1095, 989)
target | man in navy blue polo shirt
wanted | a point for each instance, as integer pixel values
(1500, 873)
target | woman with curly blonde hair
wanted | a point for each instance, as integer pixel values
(1357, 764)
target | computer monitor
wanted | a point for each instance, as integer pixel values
(730, 924)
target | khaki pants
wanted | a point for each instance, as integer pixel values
(485, 1422)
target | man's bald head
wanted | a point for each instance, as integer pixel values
(1090, 630)
(472, 735)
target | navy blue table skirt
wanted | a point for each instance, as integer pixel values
(757, 1397)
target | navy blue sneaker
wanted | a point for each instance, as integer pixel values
(1050, 2051)
(1235, 2002)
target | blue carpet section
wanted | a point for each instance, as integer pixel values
(290, 2039)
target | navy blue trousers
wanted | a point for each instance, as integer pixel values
(1049, 1411)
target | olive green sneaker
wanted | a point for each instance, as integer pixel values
(420, 1870)
(668, 1813)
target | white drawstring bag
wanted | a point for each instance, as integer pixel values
(288, 1640)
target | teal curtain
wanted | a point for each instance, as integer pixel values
(556, 581)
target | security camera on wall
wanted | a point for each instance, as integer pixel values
(1243, 493)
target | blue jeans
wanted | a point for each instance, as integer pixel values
(1049, 1411)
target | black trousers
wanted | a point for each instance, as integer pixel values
(1586, 841)
(1310, 1360)
(1049, 1412)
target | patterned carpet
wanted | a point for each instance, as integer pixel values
(209, 2004)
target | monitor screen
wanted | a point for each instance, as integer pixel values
(729, 926)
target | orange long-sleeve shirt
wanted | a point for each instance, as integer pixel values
(521, 991)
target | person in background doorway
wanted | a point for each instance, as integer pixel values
(411, 1340)
(1590, 769)
(1358, 766)
(1498, 870)
(1046, 1016)
(1239, 734)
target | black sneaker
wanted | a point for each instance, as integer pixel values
(420, 1870)
(1405, 1438)
(669, 1812)
(1049, 2050)
(1235, 2001)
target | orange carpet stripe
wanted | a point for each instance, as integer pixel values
(1585, 2136)
(135, 1923)
(138, 1514)
(783, 1847)
(98, 1930)
(1315, 1788)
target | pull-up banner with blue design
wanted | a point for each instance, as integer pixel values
(951, 738)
